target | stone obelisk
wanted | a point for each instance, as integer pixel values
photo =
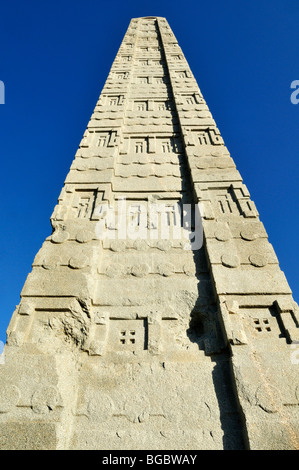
(156, 315)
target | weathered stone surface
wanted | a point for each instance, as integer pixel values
(139, 326)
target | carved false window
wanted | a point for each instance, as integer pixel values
(113, 101)
(141, 105)
(190, 100)
(172, 215)
(261, 325)
(140, 145)
(121, 75)
(103, 140)
(85, 205)
(128, 335)
(166, 146)
(169, 144)
(126, 58)
(136, 216)
(163, 105)
(203, 138)
(142, 80)
(225, 204)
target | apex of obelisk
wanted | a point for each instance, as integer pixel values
(150, 18)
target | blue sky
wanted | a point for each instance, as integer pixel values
(54, 59)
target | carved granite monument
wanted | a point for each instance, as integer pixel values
(156, 315)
